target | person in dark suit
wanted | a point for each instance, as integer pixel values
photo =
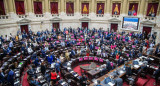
(108, 66)
(157, 75)
(120, 61)
(92, 47)
(83, 80)
(128, 70)
(43, 69)
(73, 53)
(2, 79)
(10, 77)
(57, 67)
(34, 82)
(30, 71)
(118, 81)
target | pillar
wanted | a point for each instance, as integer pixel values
(46, 5)
(77, 5)
(62, 5)
(29, 4)
(108, 6)
(93, 6)
(142, 5)
(124, 7)
(10, 5)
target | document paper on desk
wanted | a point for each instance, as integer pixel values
(136, 66)
(111, 84)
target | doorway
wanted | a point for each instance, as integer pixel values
(24, 28)
(85, 25)
(114, 27)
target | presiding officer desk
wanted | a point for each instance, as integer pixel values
(120, 71)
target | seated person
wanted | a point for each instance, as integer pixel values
(118, 81)
(34, 82)
(53, 77)
(79, 52)
(67, 55)
(157, 75)
(120, 61)
(98, 83)
(62, 59)
(29, 50)
(30, 71)
(83, 80)
(128, 70)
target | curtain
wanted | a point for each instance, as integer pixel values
(147, 30)
(2, 10)
(54, 7)
(24, 28)
(55, 25)
(69, 8)
(100, 8)
(85, 24)
(114, 27)
(38, 7)
(133, 7)
(114, 8)
(85, 8)
(20, 7)
(155, 7)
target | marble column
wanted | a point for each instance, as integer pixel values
(10, 5)
(77, 5)
(142, 4)
(93, 6)
(46, 5)
(29, 4)
(124, 7)
(108, 6)
(62, 5)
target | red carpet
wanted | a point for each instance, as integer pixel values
(151, 82)
(141, 82)
(25, 82)
(78, 70)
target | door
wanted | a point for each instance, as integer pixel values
(147, 30)
(24, 28)
(84, 24)
(114, 27)
(56, 25)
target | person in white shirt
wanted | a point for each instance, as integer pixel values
(152, 45)
(20, 36)
(99, 51)
(29, 50)
(46, 48)
(62, 58)
(79, 52)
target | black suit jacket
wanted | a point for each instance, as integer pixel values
(43, 69)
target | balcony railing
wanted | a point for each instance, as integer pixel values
(54, 15)
(39, 15)
(22, 16)
(115, 16)
(150, 18)
(3, 16)
(85, 14)
(70, 14)
(100, 15)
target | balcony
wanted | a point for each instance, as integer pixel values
(100, 15)
(70, 14)
(4, 16)
(55, 15)
(39, 15)
(22, 16)
(85, 15)
(150, 18)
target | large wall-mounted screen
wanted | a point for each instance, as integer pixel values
(130, 23)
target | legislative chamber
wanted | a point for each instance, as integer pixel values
(79, 42)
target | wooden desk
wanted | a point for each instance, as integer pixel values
(106, 75)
